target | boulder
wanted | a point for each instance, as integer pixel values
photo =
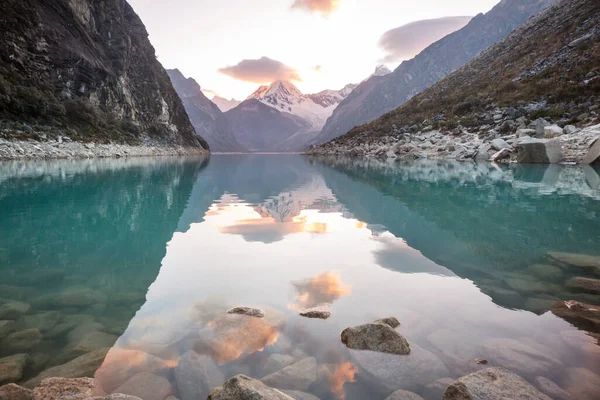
(22, 340)
(83, 329)
(15, 392)
(538, 125)
(483, 153)
(582, 383)
(241, 387)
(434, 390)
(500, 155)
(499, 144)
(403, 395)
(587, 285)
(83, 366)
(392, 372)
(552, 131)
(544, 271)
(518, 356)
(492, 384)
(298, 376)
(60, 330)
(42, 321)
(550, 388)
(196, 375)
(570, 129)
(322, 311)
(539, 151)
(7, 327)
(297, 395)
(13, 310)
(146, 386)
(275, 362)
(376, 337)
(593, 154)
(526, 133)
(88, 343)
(65, 389)
(81, 297)
(584, 316)
(11, 368)
(251, 312)
(588, 262)
(391, 321)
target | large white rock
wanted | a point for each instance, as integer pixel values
(539, 151)
(241, 387)
(298, 376)
(552, 131)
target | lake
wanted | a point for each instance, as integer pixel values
(125, 269)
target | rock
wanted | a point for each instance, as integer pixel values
(538, 125)
(322, 311)
(42, 321)
(13, 310)
(298, 376)
(376, 337)
(392, 372)
(538, 305)
(83, 329)
(483, 153)
(83, 366)
(526, 133)
(570, 129)
(297, 395)
(518, 356)
(196, 375)
(275, 362)
(588, 262)
(251, 312)
(15, 392)
(581, 40)
(458, 345)
(11, 368)
(530, 285)
(60, 330)
(88, 343)
(499, 144)
(587, 285)
(549, 272)
(82, 297)
(434, 390)
(552, 131)
(146, 386)
(403, 395)
(584, 316)
(500, 155)
(241, 387)
(65, 389)
(391, 321)
(550, 388)
(22, 340)
(120, 396)
(582, 383)
(593, 154)
(539, 151)
(492, 384)
(6, 328)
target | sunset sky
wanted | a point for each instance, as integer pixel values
(232, 46)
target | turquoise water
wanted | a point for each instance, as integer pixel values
(145, 256)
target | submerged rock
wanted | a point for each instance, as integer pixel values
(550, 388)
(65, 388)
(582, 383)
(321, 312)
(587, 285)
(22, 340)
(90, 342)
(376, 337)
(7, 327)
(15, 392)
(589, 262)
(539, 151)
(146, 386)
(297, 376)
(241, 387)
(13, 310)
(391, 321)
(77, 298)
(297, 395)
(275, 362)
(11, 368)
(403, 395)
(518, 356)
(251, 312)
(492, 384)
(42, 321)
(196, 375)
(583, 316)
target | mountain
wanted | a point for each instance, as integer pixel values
(260, 127)
(381, 94)
(87, 68)
(546, 71)
(381, 70)
(224, 104)
(329, 98)
(207, 118)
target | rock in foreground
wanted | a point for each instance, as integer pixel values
(492, 384)
(15, 392)
(64, 388)
(241, 387)
(539, 151)
(251, 312)
(391, 321)
(376, 337)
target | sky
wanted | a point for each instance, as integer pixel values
(233, 46)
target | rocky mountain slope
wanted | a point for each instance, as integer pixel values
(85, 71)
(536, 92)
(224, 104)
(378, 95)
(207, 118)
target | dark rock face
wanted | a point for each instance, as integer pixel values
(381, 94)
(88, 67)
(207, 118)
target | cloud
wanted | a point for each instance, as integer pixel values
(409, 40)
(318, 68)
(324, 7)
(261, 71)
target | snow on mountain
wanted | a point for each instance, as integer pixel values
(381, 70)
(314, 108)
(224, 104)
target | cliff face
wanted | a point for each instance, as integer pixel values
(380, 94)
(87, 67)
(207, 118)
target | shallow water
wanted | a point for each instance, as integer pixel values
(149, 254)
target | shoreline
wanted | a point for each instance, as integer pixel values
(55, 150)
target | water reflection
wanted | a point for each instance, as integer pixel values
(324, 288)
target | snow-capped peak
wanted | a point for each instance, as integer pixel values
(381, 70)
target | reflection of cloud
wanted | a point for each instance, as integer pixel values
(261, 71)
(318, 68)
(409, 40)
(343, 373)
(324, 7)
(322, 289)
